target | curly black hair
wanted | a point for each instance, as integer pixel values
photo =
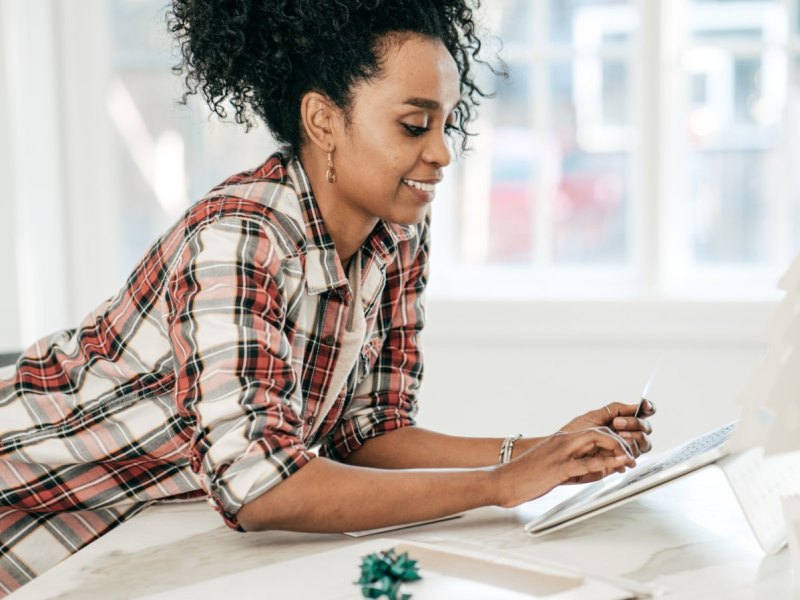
(265, 55)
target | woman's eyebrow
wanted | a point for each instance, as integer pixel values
(423, 103)
(427, 104)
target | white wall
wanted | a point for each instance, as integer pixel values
(501, 369)
(9, 305)
(35, 186)
(56, 167)
(89, 186)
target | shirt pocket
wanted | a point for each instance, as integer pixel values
(368, 357)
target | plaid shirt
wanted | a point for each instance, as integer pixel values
(206, 374)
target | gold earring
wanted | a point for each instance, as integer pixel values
(330, 174)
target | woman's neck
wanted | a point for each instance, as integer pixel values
(347, 226)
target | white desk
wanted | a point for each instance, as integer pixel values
(688, 537)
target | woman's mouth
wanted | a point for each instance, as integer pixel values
(419, 185)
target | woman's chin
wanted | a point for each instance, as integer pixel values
(409, 219)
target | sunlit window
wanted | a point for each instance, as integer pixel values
(636, 143)
(548, 184)
(639, 143)
(737, 205)
(167, 155)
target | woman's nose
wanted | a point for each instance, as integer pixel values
(438, 151)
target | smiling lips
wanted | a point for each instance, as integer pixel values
(419, 185)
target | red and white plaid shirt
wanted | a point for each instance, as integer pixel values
(206, 374)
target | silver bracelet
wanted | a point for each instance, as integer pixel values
(508, 447)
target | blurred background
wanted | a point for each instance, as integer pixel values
(634, 192)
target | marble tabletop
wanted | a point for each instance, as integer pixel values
(687, 539)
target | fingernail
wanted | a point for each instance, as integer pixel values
(620, 422)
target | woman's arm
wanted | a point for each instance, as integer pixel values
(325, 496)
(418, 448)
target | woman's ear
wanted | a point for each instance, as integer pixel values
(319, 116)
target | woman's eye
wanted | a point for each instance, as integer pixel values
(414, 130)
(450, 128)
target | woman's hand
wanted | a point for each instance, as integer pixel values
(621, 419)
(577, 457)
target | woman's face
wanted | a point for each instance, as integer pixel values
(390, 154)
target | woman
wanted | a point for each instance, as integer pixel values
(283, 311)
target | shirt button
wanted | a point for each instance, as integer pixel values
(329, 340)
(310, 421)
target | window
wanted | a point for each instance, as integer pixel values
(730, 160)
(166, 155)
(636, 146)
(641, 146)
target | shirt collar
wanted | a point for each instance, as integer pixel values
(324, 271)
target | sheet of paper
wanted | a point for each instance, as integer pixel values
(790, 280)
(357, 534)
(759, 482)
(762, 397)
(791, 513)
(781, 320)
(770, 415)
(784, 435)
(446, 573)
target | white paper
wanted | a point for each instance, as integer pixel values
(446, 573)
(781, 401)
(770, 413)
(791, 513)
(790, 280)
(759, 482)
(784, 316)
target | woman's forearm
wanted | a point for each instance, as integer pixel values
(325, 496)
(417, 448)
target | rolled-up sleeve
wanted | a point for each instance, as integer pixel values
(386, 399)
(235, 383)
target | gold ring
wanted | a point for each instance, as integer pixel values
(609, 411)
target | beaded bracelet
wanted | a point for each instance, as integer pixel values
(508, 447)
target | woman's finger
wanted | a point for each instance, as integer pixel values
(619, 409)
(632, 424)
(638, 439)
(643, 442)
(615, 435)
(598, 464)
(633, 441)
(589, 441)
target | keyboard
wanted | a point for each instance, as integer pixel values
(712, 439)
